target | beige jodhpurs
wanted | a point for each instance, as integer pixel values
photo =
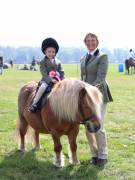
(98, 141)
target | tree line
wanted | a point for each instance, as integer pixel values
(24, 55)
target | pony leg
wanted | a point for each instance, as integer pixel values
(59, 160)
(73, 148)
(23, 126)
(36, 141)
(128, 71)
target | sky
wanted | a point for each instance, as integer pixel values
(28, 22)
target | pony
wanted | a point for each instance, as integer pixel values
(130, 63)
(70, 103)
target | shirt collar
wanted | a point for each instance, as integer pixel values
(92, 52)
(52, 61)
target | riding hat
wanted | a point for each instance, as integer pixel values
(49, 42)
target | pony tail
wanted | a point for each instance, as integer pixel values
(29, 136)
(16, 136)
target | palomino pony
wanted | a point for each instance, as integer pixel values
(70, 103)
(130, 63)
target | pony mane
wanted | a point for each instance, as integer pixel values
(94, 99)
(64, 98)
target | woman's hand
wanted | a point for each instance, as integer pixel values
(98, 86)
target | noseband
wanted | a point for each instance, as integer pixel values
(87, 119)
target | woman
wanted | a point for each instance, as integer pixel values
(94, 68)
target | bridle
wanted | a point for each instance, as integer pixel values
(85, 120)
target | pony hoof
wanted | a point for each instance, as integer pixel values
(37, 148)
(21, 150)
(77, 162)
(58, 165)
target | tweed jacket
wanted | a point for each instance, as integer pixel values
(94, 73)
(46, 66)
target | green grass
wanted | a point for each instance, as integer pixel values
(119, 123)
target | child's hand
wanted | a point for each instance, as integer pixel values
(54, 81)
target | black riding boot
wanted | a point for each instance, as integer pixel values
(33, 108)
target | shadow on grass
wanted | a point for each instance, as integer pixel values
(26, 166)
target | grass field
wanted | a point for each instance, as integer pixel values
(119, 123)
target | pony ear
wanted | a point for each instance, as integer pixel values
(82, 92)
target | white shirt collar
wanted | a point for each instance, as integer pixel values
(52, 61)
(92, 52)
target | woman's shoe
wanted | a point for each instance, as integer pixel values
(102, 162)
(94, 160)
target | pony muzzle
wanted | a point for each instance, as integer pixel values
(91, 127)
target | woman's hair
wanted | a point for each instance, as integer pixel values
(92, 35)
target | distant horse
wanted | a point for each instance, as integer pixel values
(130, 64)
(70, 103)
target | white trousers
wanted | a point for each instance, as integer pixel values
(40, 92)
